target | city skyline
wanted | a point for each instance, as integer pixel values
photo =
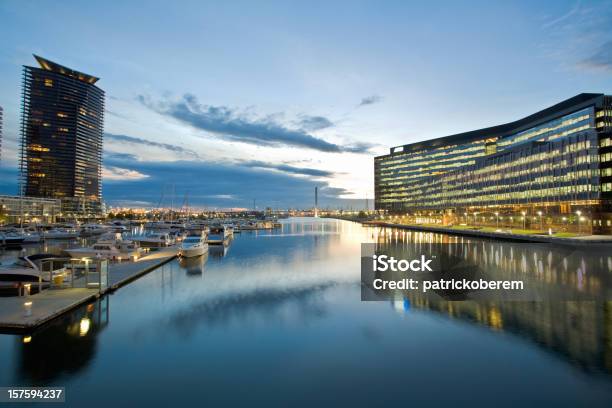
(235, 102)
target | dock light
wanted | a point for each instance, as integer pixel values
(579, 218)
(27, 289)
(27, 339)
(28, 308)
(84, 326)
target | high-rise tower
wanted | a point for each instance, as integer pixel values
(61, 129)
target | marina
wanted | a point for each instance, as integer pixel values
(286, 302)
(55, 284)
(24, 313)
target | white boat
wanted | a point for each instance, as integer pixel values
(165, 225)
(60, 233)
(27, 271)
(156, 239)
(193, 245)
(11, 238)
(88, 230)
(111, 246)
(218, 234)
(230, 229)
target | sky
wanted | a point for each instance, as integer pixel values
(217, 104)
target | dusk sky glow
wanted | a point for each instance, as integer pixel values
(234, 101)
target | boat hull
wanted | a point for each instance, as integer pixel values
(193, 252)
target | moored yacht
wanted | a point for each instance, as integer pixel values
(60, 233)
(111, 246)
(194, 245)
(11, 238)
(156, 240)
(88, 230)
(218, 234)
(27, 271)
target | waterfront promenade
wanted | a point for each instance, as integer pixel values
(25, 313)
(506, 235)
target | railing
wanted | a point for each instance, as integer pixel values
(62, 273)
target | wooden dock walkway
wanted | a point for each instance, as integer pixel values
(24, 314)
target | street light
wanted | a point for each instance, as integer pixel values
(578, 219)
(524, 213)
(497, 219)
(540, 215)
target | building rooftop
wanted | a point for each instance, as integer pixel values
(565, 107)
(60, 69)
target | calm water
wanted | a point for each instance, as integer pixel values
(276, 318)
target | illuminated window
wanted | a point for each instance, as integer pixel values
(62, 115)
(49, 82)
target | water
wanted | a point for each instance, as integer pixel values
(276, 319)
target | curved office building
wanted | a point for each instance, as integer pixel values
(552, 168)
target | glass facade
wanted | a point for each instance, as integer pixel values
(555, 162)
(62, 125)
(17, 209)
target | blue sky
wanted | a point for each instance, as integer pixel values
(231, 101)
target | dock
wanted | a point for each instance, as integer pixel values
(26, 313)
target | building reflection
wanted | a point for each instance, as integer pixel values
(65, 346)
(578, 330)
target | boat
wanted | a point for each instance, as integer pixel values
(60, 233)
(11, 238)
(27, 270)
(156, 239)
(218, 234)
(111, 246)
(230, 229)
(88, 230)
(194, 245)
(165, 225)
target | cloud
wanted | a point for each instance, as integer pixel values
(283, 167)
(119, 173)
(231, 125)
(370, 100)
(601, 60)
(313, 123)
(145, 142)
(564, 17)
(222, 185)
(303, 171)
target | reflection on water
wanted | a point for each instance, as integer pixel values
(194, 266)
(555, 275)
(279, 313)
(63, 347)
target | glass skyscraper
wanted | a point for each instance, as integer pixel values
(556, 163)
(61, 128)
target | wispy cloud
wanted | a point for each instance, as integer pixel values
(145, 142)
(573, 11)
(601, 60)
(370, 100)
(118, 173)
(314, 123)
(231, 125)
(220, 184)
(123, 159)
(286, 168)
